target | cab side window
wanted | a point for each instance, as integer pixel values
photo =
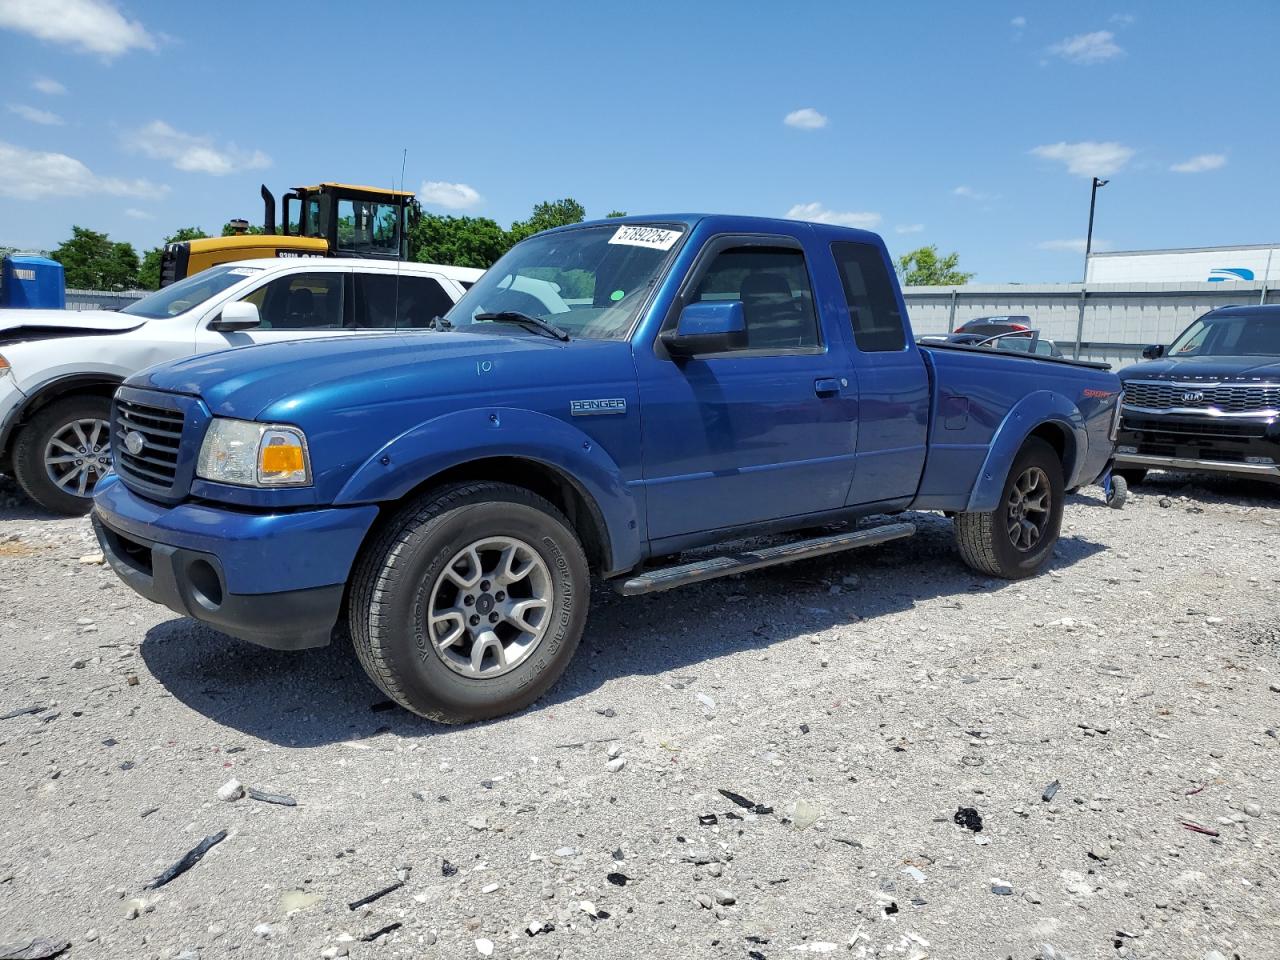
(868, 290)
(300, 301)
(773, 285)
(385, 301)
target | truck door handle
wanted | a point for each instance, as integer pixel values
(826, 386)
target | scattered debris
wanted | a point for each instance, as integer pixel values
(282, 799)
(746, 804)
(291, 901)
(484, 947)
(381, 932)
(805, 814)
(231, 791)
(376, 895)
(969, 818)
(23, 711)
(606, 712)
(706, 701)
(447, 869)
(616, 764)
(915, 873)
(189, 860)
(539, 926)
(1199, 828)
(1050, 791)
(38, 949)
(617, 879)
(1001, 888)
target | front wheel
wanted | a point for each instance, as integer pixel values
(471, 603)
(64, 451)
(1017, 538)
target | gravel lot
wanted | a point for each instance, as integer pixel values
(864, 698)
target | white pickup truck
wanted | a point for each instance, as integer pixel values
(59, 368)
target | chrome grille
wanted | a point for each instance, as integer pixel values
(1238, 398)
(155, 464)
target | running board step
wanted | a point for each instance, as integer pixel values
(722, 566)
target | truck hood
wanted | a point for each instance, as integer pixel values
(288, 380)
(19, 325)
(1205, 368)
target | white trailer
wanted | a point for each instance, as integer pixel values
(1251, 263)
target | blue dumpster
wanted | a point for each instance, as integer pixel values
(32, 283)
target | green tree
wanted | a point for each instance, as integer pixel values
(548, 214)
(925, 268)
(457, 241)
(149, 272)
(93, 261)
(615, 213)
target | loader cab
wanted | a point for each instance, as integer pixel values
(353, 221)
(325, 220)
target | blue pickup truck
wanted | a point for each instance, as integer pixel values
(606, 396)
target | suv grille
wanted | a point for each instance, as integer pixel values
(156, 462)
(1238, 398)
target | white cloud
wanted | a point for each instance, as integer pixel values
(49, 86)
(1018, 22)
(31, 175)
(451, 196)
(1073, 246)
(136, 214)
(1124, 19)
(90, 26)
(909, 228)
(1088, 47)
(192, 153)
(817, 213)
(1087, 158)
(35, 115)
(1201, 163)
(972, 194)
(806, 118)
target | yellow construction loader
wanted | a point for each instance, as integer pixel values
(326, 220)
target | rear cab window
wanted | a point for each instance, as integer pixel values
(874, 315)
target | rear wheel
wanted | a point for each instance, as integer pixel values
(1017, 538)
(64, 451)
(471, 603)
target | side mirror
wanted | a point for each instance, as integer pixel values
(240, 315)
(1153, 351)
(709, 327)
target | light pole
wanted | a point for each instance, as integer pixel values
(1088, 240)
(1088, 248)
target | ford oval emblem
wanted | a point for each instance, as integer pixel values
(134, 442)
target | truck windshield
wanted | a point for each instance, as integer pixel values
(588, 281)
(185, 294)
(1228, 336)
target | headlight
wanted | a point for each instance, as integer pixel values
(253, 454)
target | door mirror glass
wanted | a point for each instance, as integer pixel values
(710, 326)
(1153, 351)
(240, 315)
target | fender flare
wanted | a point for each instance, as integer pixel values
(49, 390)
(1031, 412)
(464, 436)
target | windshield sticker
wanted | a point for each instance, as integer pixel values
(243, 271)
(655, 238)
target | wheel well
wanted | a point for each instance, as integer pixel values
(1063, 444)
(95, 385)
(547, 482)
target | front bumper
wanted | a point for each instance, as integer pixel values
(276, 580)
(1233, 445)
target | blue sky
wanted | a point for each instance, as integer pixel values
(973, 126)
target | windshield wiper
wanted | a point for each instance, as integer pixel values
(528, 321)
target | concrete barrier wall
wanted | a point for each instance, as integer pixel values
(1119, 319)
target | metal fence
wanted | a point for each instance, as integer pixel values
(1116, 322)
(102, 299)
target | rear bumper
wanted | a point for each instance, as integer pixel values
(276, 580)
(1242, 446)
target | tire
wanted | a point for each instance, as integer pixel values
(985, 541)
(414, 570)
(1119, 492)
(1132, 475)
(47, 436)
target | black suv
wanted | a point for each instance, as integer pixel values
(1210, 401)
